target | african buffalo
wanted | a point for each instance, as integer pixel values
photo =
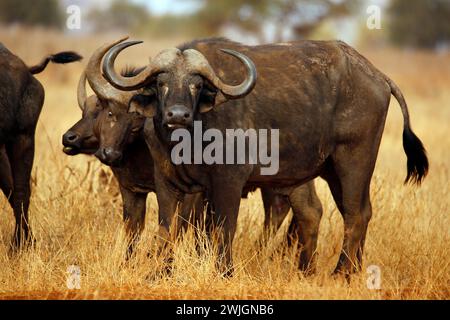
(115, 137)
(328, 102)
(121, 147)
(21, 100)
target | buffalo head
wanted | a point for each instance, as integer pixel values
(80, 137)
(94, 132)
(116, 128)
(178, 84)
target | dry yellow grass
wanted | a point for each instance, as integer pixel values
(78, 222)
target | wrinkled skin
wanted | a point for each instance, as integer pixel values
(330, 105)
(21, 100)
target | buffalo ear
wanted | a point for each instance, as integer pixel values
(143, 104)
(220, 98)
(210, 99)
(203, 107)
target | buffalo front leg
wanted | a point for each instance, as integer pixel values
(167, 208)
(191, 211)
(167, 222)
(21, 154)
(226, 198)
(134, 206)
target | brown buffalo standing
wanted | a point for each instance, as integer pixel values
(115, 136)
(21, 100)
(328, 102)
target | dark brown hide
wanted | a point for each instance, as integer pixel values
(330, 105)
(21, 99)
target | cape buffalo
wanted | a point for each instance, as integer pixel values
(123, 148)
(21, 100)
(328, 102)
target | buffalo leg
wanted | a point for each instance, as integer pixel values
(191, 211)
(6, 180)
(276, 208)
(134, 206)
(21, 154)
(305, 222)
(226, 198)
(198, 211)
(167, 208)
(349, 181)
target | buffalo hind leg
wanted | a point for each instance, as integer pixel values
(134, 206)
(21, 154)
(276, 208)
(349, 182)
(6, 180)
(304, 227)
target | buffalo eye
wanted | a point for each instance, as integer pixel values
(164, 90)
(110, 114)
(195, 87)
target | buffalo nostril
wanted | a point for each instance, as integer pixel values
(71, 136)
(170, 114)
(187, 115)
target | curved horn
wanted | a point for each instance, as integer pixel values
(160, 63)
(197, 62)
(98, 84)
(81, 91)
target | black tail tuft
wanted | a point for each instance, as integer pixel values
(417, 158)
(62, 57)
(65, 57)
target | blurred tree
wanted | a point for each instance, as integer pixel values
(300, 17)
(43, 12)
(171, 25)
(420, 23)
(120, 15)
(247, 15)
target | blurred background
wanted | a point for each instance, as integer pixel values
(404, 23)
(402, 33)
(409, 40)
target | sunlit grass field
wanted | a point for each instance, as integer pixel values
(77, 219)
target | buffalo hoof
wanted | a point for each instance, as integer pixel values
(339, 274)
(17, 244)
